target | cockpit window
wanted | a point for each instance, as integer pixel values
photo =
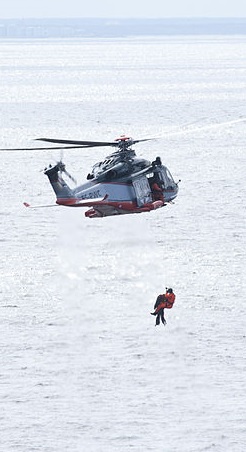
(165, 177)
(169, 176)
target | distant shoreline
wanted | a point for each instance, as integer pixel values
(113, 28)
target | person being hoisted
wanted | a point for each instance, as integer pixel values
(164, 301)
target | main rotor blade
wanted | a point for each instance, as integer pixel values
(75, 144)
(44, 149)
(81, 143)
(145, 139)
(92, 143)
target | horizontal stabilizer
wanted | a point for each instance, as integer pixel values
(36, 207)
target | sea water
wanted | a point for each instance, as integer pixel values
(83, 368)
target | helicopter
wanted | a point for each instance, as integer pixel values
(120, 184)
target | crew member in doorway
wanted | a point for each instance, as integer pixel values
(157, 192)
(163, 301)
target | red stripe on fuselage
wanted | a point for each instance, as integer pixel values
(130, 206)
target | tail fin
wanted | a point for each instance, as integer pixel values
(60, 187)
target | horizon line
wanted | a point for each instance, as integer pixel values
(130, 18)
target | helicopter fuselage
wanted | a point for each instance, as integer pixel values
(121, 184)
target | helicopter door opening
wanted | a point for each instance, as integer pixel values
(142, 190)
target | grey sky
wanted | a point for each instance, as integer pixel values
(122, 8)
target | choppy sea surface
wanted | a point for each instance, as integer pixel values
(83, 368)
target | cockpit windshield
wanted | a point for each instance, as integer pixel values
(166, 177)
